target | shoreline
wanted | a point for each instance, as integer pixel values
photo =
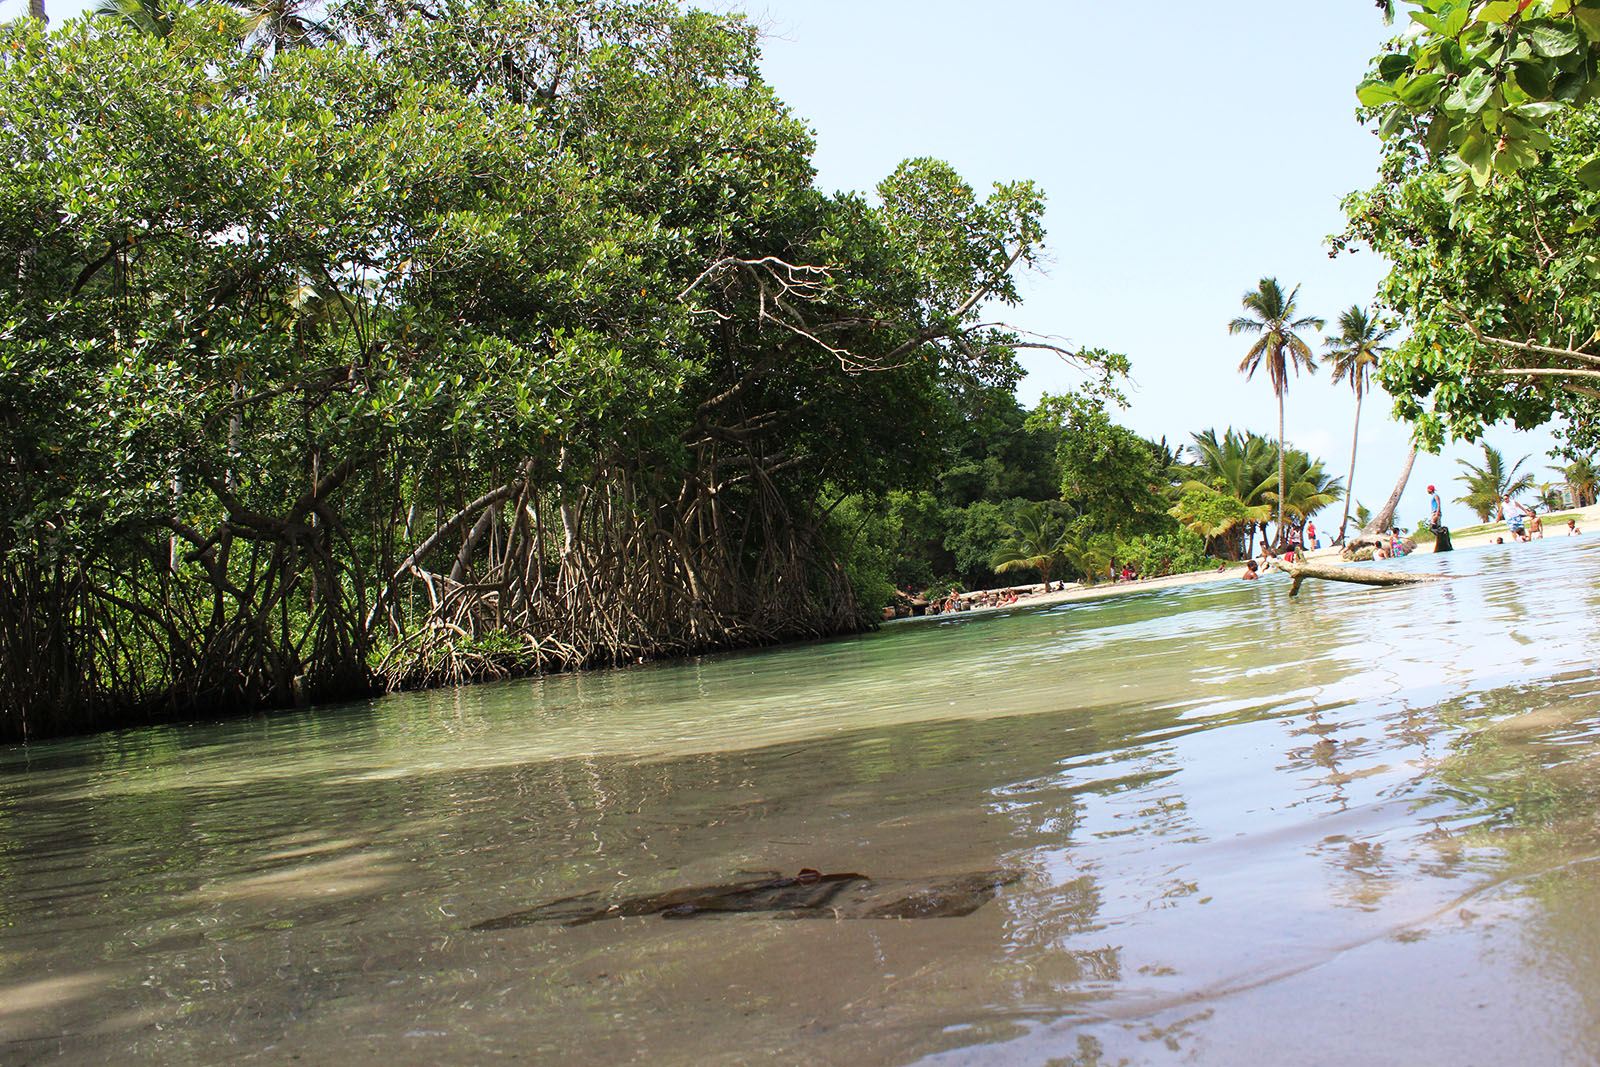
(1586, 516)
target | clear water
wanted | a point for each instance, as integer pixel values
(1358, 826)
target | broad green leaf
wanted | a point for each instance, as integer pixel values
(1569, 86)
(1392, 65)
(1515, 156)
(1373, 93)
(1497, 12)
(1549, 39)
(1420, 91)
(1532, 79)
(1589, 173)
(1471, 92)
(1477, 154)
(1439, 135)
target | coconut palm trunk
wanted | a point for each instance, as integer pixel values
(1283, 478)
(1279, 348)
(1355, 353)
(1385, 516)
(1350, 482)
(36, 9)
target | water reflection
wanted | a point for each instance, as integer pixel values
(1229, 805)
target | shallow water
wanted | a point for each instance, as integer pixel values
(1358, 826)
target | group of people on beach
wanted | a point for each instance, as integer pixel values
(989, 598)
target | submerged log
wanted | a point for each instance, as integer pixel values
(808, 895)
(1357, 575)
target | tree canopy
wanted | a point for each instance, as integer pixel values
(473, 338)
(1487, 194)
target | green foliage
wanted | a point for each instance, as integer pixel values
(1153, 555)
(1213, 513)
(1110, 475)
(996, 451)
(314, 356)
(971, 534)
(1489, 485)
(1034, 540)
(1581, 475)
(1488, 193)
(1474, 87)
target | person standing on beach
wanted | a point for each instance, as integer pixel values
(1534, 523)
(1436, 512)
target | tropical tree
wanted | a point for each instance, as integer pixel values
(1279, 346)
(1551, 497)
(36, 9)
(1489, 485)
(1355, 353)
(1384, 519)
(276, 25)
(1034, 539)
(1310, 488)
(1110, 475)
(1240, 465)
(1089, 554)
(216, 494)
(1580, 474)
(1218, 516)
(147, 16)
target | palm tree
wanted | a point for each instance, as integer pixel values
(36, 10)
(1355, 353)
(147, 16)
(1090, 554)
(1217, 515)
(1310, 488)
(1240, 465)
(1490, 484)
(1582, 477)
(277, 25)
(1279, 346)
(1035, 539)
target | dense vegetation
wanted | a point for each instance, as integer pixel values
(1486, 205)
(474, 339)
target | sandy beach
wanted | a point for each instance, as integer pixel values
(1588, 522)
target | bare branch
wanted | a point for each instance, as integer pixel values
(1520, 346)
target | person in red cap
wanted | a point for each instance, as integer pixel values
(1437, 515)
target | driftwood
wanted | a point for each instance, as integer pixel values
(808, 895)
(1299, 572)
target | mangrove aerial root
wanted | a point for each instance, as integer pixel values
(807, 895)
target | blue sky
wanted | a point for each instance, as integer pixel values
(1187, 150)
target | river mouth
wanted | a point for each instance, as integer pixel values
(1362, 822)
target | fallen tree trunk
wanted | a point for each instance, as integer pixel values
(1299, 572)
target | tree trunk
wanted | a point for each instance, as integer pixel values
(36, 9)
(1283, 485)
(1385, 516)
(1350, 483)
(1357, 575)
